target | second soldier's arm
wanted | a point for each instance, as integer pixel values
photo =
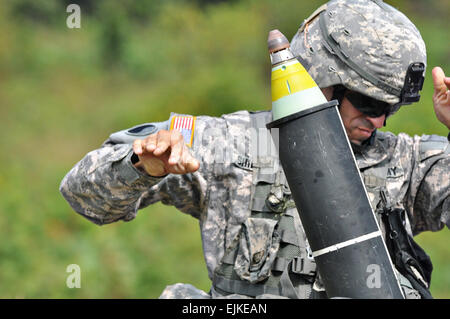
(429, 188)
(441, 96)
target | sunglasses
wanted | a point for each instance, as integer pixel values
(367, 105)
(409, 94)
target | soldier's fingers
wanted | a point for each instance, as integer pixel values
(177, 168)
(177, 147)
(137, 147)
(180, 168)
(190, 163)
(150, 143)
(440, 86)
(447, 82)
(162, 142)
(176, 154)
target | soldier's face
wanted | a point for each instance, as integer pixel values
(359, 127)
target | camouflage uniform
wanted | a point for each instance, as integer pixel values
(105, 187)
(253, 240)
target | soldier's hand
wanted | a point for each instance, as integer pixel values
(164, 152)
(441, 96)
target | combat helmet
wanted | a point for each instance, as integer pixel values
(367, 46)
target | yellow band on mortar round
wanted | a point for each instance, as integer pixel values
(290, 78)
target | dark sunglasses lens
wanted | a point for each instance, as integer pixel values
(367, 105)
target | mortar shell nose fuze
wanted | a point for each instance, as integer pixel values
(277, 41)
(293, 89)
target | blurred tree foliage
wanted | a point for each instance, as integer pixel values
(63, 91)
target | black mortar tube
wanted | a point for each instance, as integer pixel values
(333, 205)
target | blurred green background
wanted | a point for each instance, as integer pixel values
(63, 91)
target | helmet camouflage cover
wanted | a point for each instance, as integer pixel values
(376, 44)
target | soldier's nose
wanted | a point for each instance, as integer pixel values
(377, 122)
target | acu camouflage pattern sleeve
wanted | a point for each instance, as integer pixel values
(105, 187)
(430, 184)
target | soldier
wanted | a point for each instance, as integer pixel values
(214, 169)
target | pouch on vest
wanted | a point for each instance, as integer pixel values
(258, 246)
(409, 258)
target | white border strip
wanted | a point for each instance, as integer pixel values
(346, 243)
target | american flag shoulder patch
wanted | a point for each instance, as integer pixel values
(185, 125)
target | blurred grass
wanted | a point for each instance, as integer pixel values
(63, 91)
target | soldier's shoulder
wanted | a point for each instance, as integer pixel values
(398, 141)
(432, 145)
(424, 146)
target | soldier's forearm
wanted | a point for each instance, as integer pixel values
(105, 187)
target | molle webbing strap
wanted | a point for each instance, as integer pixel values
(243, 287)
